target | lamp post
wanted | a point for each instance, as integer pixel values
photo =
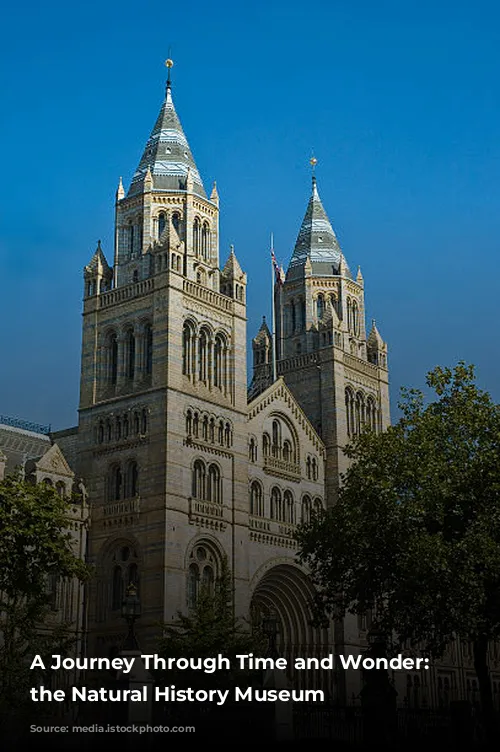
(131, 611)
(378, 696)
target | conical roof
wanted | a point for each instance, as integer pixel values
(317, 241)
(167, 154)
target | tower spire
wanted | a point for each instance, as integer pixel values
(167, 153)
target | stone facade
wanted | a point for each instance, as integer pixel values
(183, 463)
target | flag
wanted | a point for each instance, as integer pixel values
(277, 270)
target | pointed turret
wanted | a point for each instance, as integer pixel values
(97, 274)
(148, 180)
(120, 191)
(233, 279)
(232, 266)
(167, 154)
(262, 346)
(376, 347)
(214, 196)
(359, 277)
(316, 241)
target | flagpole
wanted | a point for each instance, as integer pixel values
(273, 280)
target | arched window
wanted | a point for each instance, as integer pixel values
(204, 429)
(125, 427)
(355, 318)
(130, 345)
(306, 510)
(207, 579)
(252, 450)
(333, 301)
(115, 483)
(219, 368)
(188, 343)
(371, 416)
(109, 430)
(359, 412)
(199, 480)
(211, 431)
(228, 435)
(61, 489)
(196, 236)
(118, 428)
(203, 357)
(266, 443)
(113, 358)
(220, 433)
(287, 451)
(202, 572)
(100, 432)
(137, 423)
(176, 222)
(189, 422)
(135, 276)
(148, 349)
(144, 421)
(162, 221)
(288, 508)
(132, 480)
(214, 484)
(293, 315)
(130, 237)
(117, 595)
(205, 242)
(276, 445)
(196, 425)
(320, 306)
(314, 469)
(349, 315)
(276, 504)
(318, 506)
(349, 408)
(256, 499)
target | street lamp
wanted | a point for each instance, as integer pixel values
(270, 629)
(131, 610)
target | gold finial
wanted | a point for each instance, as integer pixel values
(169, 63)
(313, 162)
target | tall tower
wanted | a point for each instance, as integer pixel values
(337, 373)
(163, 399)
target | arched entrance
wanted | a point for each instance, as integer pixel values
(286, 591)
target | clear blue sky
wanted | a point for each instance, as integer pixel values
(399, 100)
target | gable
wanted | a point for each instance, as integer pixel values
(53, 461)
(278, 399)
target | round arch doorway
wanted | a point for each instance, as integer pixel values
(286, 592)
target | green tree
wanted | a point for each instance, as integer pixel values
(211, 629)
(35, 547)
(415, 535)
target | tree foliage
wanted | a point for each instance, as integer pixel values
(35, 544)
(211, 629)
(415, 535)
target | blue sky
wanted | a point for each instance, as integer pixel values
(399, 101)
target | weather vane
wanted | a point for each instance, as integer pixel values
(313, 162)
